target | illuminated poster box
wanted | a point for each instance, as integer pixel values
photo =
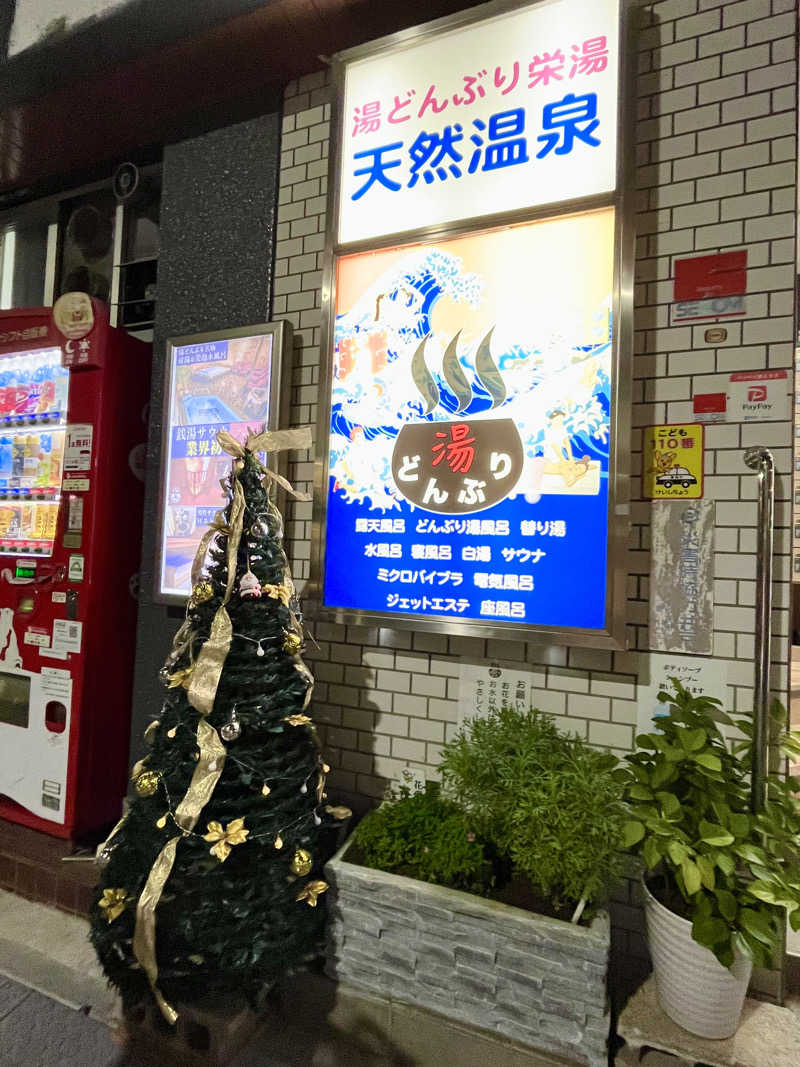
(228, 380)
(470, 424)
(475, 409)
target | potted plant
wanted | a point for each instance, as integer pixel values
(482, 899)
(721, 879)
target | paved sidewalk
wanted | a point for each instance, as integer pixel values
(36, 1031)
(56, 1009)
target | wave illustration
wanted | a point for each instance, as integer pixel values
(391, 368)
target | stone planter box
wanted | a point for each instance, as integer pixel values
(536, 980)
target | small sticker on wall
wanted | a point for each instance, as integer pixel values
(413, 779)
(67, 635)
(59, 598)
(75, 485)
(759, 396)
(710, 407)
(75, 569)
(710, 287)
(672, 465)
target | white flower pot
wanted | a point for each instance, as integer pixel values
(694, 989)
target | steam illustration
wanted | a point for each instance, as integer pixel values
(486, 371)
(455, 376)
(423, 379)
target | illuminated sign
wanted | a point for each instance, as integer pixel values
(502, 114)
(472, 412)
(470, 424)
(227, 381)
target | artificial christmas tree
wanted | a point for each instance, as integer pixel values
(211, 880)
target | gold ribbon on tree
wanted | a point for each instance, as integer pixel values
(202, 689)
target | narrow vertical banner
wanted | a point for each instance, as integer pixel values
(682, 577)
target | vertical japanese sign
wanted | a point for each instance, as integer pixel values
(213, 385)
(472, 382)
(682, 576)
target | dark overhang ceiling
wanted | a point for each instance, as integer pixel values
(145, 76)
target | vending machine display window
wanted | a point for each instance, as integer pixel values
(34, 394)
(15, 696)
(229, 380)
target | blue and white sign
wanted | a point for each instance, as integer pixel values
(505, 113)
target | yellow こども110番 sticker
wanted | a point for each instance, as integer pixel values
(672, 463)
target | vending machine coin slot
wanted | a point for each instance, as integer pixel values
(72, 604)
(55, 716)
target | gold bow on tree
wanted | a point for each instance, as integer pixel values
(114, 902)
(233, 834)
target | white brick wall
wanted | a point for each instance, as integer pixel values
(716, 169)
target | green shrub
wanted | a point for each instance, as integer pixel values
(425, 837)
(734, 874)
(545, 799)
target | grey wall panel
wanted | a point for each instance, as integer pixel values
(215, 271)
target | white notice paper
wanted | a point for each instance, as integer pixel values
(67, 635)
(700, 675)
(487, 687)
(78, 448)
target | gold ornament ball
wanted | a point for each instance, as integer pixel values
(202, 592)
(292, 643)
(302, 863)
(146, 783)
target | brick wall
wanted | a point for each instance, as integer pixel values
(716, 169)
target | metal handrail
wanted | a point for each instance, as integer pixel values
(760, 459)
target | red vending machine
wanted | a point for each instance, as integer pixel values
(73, 396)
